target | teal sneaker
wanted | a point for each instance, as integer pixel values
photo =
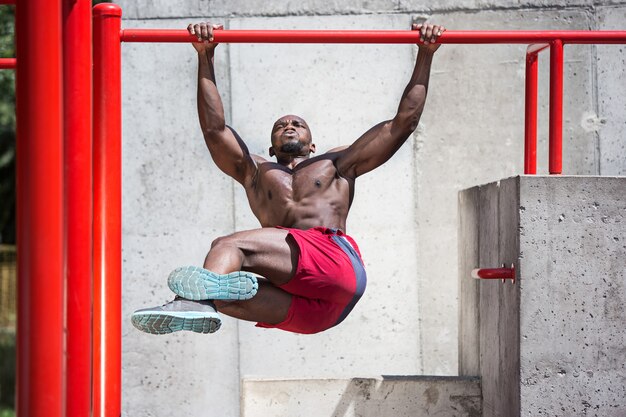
(179, 314)
(195, 283)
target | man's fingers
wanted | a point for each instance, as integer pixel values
(429, 32)
(197, 31)
(205, 31)
(190, 29)
(433, 37)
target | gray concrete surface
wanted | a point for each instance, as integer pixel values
(176, 202)
(553, 342)
(362, 397)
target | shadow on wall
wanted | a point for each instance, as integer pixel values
(411, 396)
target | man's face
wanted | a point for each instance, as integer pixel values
(291, 137)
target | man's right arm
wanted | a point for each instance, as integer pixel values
(227, 149)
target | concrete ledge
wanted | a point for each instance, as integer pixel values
(396, 396)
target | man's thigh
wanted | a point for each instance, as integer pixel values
(269, 252)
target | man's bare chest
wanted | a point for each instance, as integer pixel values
(309, 179)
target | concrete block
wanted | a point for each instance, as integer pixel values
(363, 397)
(471, 133)
(553, 342)
(610, 122)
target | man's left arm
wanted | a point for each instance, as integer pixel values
(381, 142)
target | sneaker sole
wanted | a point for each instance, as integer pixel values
(195, 283)
(164, 323)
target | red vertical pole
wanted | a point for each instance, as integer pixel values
(107, 210)
(556, 107)
(39, 110)
(78, 203)
(530, 125)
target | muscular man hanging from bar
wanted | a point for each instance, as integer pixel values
(312, 272)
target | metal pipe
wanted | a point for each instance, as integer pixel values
(107, 215)
(8, 63)
(530, 115)
(39, 186)
(7, 1)
(494, 273)
(78, 203)
(556, 108)
(375, 36)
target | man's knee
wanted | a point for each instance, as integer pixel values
(229, 240)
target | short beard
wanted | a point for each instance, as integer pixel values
(292, 148)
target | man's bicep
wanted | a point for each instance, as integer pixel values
(369, 151)
(229, 152)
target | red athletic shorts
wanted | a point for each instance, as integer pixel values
(328, 282)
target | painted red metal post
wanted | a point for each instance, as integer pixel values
(40, 315)
(107, 360)
(78, 203)
(8, 63)
(530, 122)
(556, 107)
(7, 1)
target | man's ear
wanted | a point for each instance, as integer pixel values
(312, 148)
(271, 150)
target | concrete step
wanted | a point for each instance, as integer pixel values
(384, 396)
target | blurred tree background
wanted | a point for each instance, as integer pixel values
(7, 129)
(7, 214)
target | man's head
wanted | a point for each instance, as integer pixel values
(291, 137)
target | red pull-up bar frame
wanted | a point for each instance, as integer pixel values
(108, 36)
(41, 179)
(538, 40)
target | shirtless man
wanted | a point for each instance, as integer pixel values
(312, 271)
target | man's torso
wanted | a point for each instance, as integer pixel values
(309, 195)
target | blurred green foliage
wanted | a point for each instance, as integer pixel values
(7, 129)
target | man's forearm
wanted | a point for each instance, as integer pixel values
(210, 107)
(414, 96)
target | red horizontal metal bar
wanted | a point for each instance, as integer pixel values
(8, 63)
(494, 273)
(374, 36)
(7, 1)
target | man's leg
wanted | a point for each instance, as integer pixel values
(268, 252)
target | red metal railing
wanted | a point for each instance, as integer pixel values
(8, 63)
(78, 203)
(40, 235)
(107, 138)
(538, 40)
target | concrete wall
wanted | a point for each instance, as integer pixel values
(553, 342)
(176, 202)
